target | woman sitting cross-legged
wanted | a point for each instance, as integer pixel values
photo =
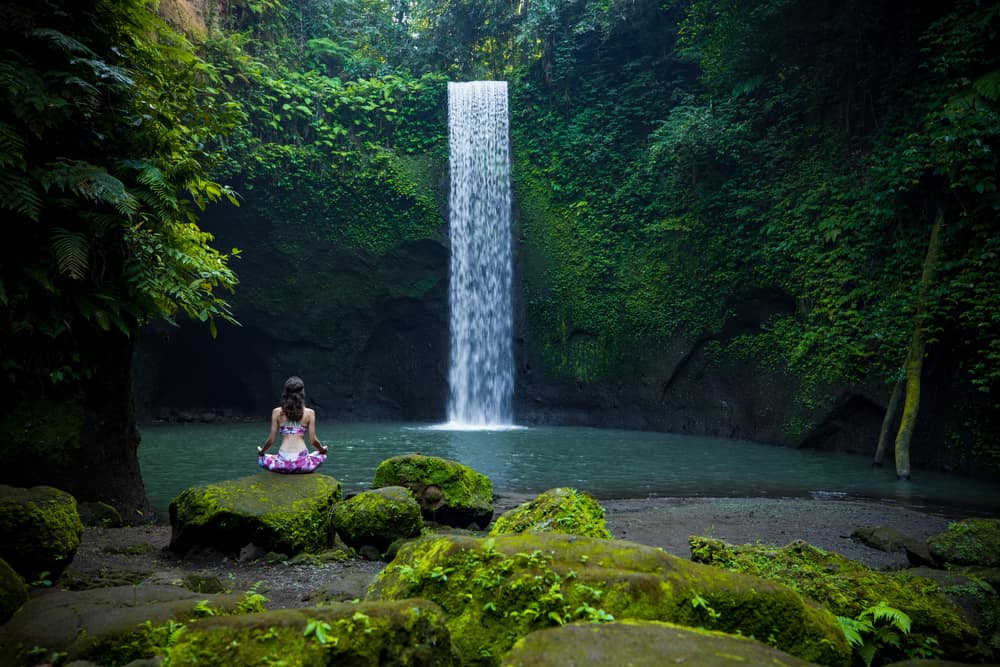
(293, 421)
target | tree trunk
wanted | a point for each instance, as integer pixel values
(110, 440)
(891, 414)
(915, 358)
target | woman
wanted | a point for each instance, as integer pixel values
(292, 419)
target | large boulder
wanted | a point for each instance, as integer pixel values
(281, 513)
(377, 518)
(99, 515)
(408, 632)
(13, 592)
(498, 589)
(972, 593)
(448, 491)
(561, 510)
(91, 624)
(40, 530)
(888, 539)
(642, 644)
(848, 588)
(968, 542)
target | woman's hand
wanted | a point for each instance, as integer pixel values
(319, 446)
(260, 451)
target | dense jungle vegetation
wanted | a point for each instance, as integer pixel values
(671, 157)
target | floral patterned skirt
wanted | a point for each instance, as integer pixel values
(304, 462)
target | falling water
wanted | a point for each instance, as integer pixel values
(481, 375)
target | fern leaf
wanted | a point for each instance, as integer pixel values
(62, 40)
(11, 147)
(18, 193)
(152, 178)
(896, 618)
(72, 251)
(88, 181)
(106, 72)
(852, 630)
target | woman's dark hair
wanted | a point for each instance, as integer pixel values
(293, 398)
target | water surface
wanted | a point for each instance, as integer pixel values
(605, 463)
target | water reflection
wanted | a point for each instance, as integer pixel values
(605, 463)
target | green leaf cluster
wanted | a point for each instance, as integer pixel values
(108, 129)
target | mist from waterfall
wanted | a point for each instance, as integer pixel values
(481, 372)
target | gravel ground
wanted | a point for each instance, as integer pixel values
(128, 555)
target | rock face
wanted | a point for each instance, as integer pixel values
(408, 632)
(40, 530)
(371, 345)
(561, 510)
(83, 624)
(642, 644)
(968, 542)
(497, 590)
(282, 513)
(448, 491)
(377, 518)
(847, 588)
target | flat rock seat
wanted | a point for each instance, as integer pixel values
(281, 513)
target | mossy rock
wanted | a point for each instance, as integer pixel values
(975, 596)
(847, 588)
(280, 513)
(927, 662)
(968, 542)
(377, 517)
(891, 540)
(99, 515)
(100, 623)
(407, 632)
(13, 592)
(561, 510)
(498, 589)
(642, 644)
(448, 491)
(40, 530)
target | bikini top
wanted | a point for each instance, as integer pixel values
(291, 428)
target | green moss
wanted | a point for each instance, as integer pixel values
(377, 517)
(150, 640)
(286, 513)
(448, 491)
(643, 644)
(497, 590)
(410, 632)
(847, 588)
(52, 429)
(561, 510)
(968, 542)
(40, 530)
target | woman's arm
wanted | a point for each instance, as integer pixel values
(313, 440)
(273, 434)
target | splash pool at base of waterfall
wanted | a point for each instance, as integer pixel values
(603, 462)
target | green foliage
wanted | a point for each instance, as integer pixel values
(879, 631)
(103, 186)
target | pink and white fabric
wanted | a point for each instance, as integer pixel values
(303, 463)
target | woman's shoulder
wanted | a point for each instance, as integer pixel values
(276, 412)
(308, 413)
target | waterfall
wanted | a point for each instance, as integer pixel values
(481, 373)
